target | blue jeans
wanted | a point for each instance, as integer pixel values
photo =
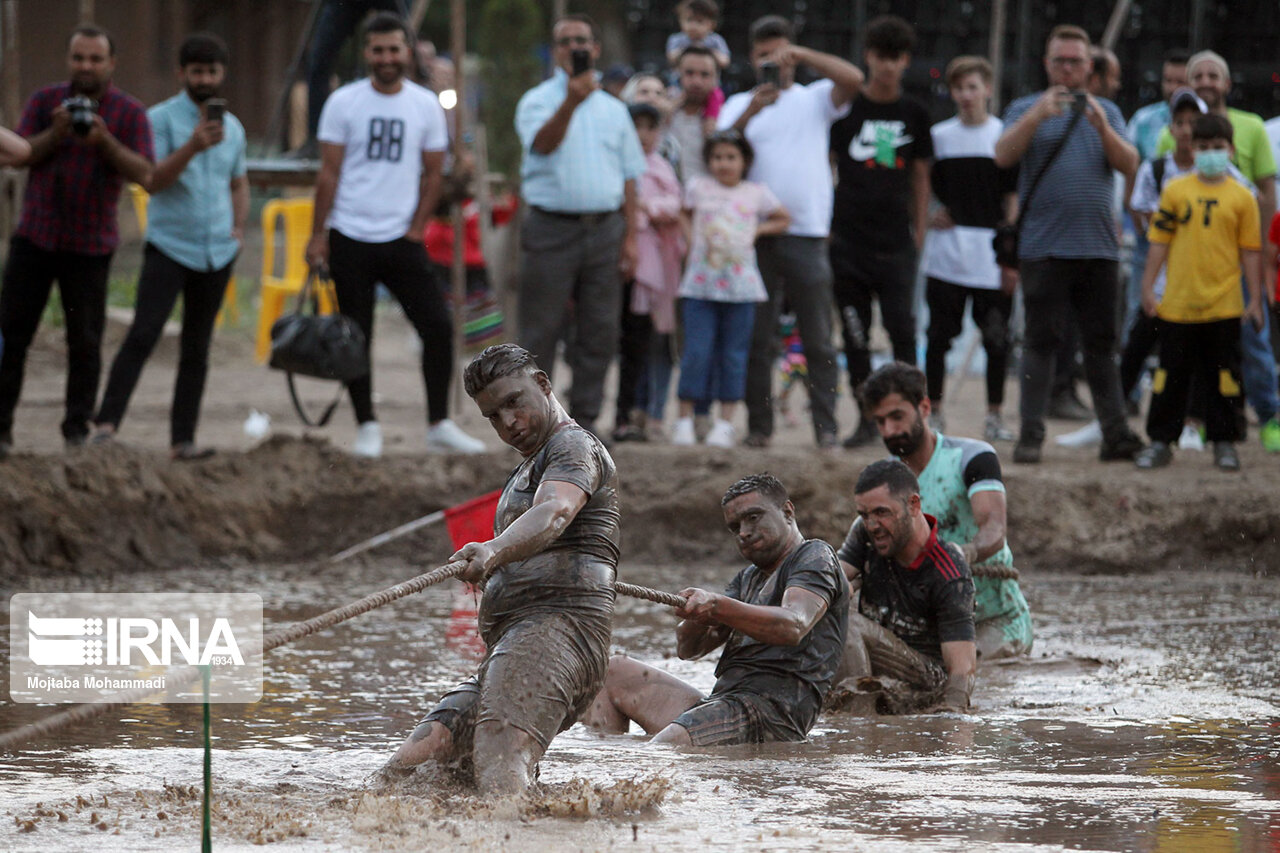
(1133, 288)
(1259, 366)
(717, 341)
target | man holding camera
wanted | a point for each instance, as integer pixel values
(1068, 142)
(199, 202)
(788, 124)
(87, 138)
(578, 240)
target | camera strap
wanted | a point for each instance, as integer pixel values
(1053, 155)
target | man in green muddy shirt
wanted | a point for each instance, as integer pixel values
(548, 604)
(961, 485)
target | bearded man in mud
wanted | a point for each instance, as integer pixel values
(781, 621)
(910, 642)
(548, 601)
(961, 486)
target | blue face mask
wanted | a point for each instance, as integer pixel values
(1213, 164)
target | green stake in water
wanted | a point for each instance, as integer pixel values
(206, 834)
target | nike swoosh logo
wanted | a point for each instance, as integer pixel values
(859, 150)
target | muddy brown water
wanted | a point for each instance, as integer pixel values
(1148, 718)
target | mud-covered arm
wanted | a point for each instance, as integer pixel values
(989, 515)
(786, 625)
(960, 657)
(555, 505)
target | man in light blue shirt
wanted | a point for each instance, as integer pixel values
(199, 203)
(578, 241)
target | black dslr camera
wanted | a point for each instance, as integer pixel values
(82, 110)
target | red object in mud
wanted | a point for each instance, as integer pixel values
(472, 521)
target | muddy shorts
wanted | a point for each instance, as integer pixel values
(731, 718)
(1001, 618)
(922, 679)
(540, 674)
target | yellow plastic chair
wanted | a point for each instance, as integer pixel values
(294, 215)
(230, 306)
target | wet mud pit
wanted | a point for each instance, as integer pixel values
(1148, 718)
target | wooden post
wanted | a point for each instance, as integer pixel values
(416, 14)
(11, 179)
(86, 11)
(995, 52)
(1197, 24)
(458, 47)
(1112, 33)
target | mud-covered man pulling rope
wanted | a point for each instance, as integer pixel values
(548, 603)
(781, 622)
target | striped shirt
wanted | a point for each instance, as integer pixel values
(600, 151)
(1070, 215)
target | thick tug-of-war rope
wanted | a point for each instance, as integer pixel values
(298, 630)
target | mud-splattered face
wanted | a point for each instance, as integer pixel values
(519, 409)
(887, 519)
(762, 528)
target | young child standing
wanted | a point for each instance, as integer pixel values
(721, 282)
(1207, 228)
(698, 20)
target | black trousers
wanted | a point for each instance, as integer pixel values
(82, 284)
(991, 312)
(860, 275)
(633, 356)
(1211, 352)
(161, 282)
(402, 265)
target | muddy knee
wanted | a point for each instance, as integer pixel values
(504, 758)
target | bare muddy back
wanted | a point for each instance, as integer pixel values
(1148, 714)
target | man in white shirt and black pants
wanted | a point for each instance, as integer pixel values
(382, 147)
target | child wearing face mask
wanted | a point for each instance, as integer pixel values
(1206, 227)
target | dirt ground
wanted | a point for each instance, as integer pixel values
(299, 496)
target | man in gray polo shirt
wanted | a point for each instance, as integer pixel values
(1068, 248)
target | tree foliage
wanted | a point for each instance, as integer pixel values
(508, 36)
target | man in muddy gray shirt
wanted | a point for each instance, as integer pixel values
(548, 606)
(782, 624)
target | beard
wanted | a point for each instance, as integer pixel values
(200, 94)
(905, 444)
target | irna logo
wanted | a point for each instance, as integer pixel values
(129, 641)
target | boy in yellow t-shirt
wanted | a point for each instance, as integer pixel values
(1207, 229)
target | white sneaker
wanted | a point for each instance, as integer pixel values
(1190, 439)
(447, 437)
(1088, 435)
(682, 433)
(721, 434)
(368, 440)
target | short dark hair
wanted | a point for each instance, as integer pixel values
(644, 112)
(204, 49)
(1177, 56)
(890, 36)
(765, 484)
(1100, 62)
(581, 19)
(496, 362)
(93, 31)
(697, 50)
(700, 9)
(387, 22)
(729, 137)
(1212, 126)
(888, 472)
(772, 27)
(962, 66)
(895, 377)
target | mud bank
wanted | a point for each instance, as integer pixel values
(108, 509)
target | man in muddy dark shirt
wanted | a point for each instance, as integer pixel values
(548, 603)
(781, 622)
(914, 618)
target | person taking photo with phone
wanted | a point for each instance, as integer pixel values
(195, 225)
(578, 239)
(1066, 143)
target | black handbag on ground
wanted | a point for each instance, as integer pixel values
(324, 346)
(1005, 241)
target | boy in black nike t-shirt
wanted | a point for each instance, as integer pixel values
(882, 151)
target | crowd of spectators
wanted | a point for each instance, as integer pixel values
(667, 227)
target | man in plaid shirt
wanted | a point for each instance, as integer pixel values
(67, 230)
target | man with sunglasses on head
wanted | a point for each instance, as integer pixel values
(578, 240)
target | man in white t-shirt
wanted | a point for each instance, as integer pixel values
(382, 146)
(789, 125)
